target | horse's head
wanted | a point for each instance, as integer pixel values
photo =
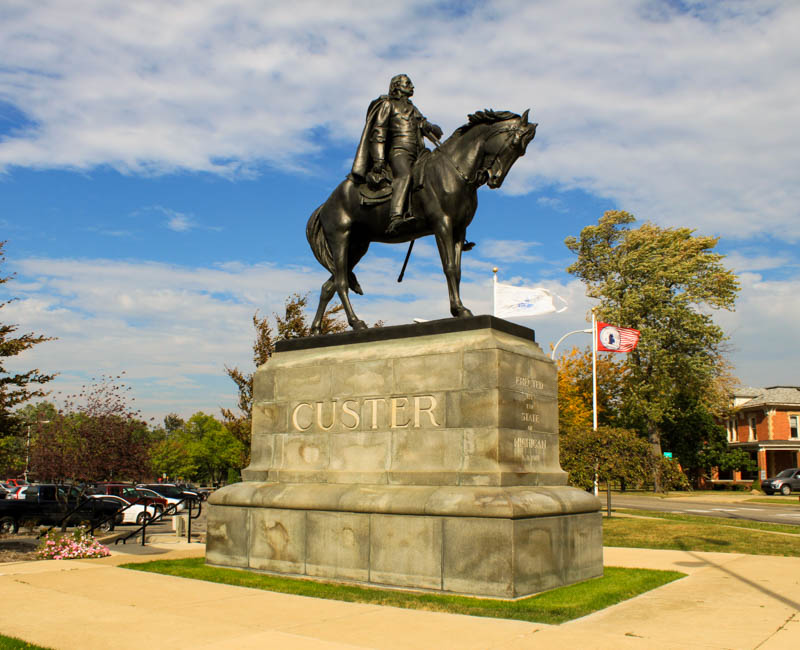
(506, 142)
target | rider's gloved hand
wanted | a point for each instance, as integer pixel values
(378, 167)
(436, 131)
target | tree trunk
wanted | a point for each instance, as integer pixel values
(654, 438)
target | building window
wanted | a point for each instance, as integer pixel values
(793, 427)
(753, 435)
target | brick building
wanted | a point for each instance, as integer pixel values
(766, 423)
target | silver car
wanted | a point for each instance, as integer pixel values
(786, 482)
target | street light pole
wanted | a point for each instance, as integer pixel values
(555, 347)
(27, 454)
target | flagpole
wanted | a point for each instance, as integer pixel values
(494, 292)
(594, 392)
(594, 371)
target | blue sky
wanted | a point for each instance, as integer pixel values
(158, 163)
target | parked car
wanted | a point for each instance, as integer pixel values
(171, 494)
(131, 513)
(17, 492)
(190, 489)
(205, 492)
(171, 491)
(785, 482)
(49, 504)
(133, 495)
(16, 482)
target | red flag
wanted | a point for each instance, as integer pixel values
(616, 339)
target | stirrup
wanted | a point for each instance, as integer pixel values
(398, 221)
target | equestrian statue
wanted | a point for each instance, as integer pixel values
(419, 193)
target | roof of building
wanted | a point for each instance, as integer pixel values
(771, 395)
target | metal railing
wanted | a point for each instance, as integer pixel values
(94, 523)
(191, 502)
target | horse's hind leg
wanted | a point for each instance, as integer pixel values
(325, 295)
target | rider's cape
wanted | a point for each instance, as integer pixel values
(363, 161)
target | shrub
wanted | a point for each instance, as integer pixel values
(672, 477)
(71, 546)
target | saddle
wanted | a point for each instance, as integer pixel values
(374, 191)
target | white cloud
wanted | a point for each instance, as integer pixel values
(739, 262)
(555, 204)
(678, 116)
(179, 223)
(173, 328)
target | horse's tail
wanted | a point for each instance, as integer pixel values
(316, 239)
(322, 251)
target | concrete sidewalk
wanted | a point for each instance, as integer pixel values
(726, 601)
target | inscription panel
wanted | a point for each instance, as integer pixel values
(528, 411)
(425, 411)
(531, 452)
(535, 375)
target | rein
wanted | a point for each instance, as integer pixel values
(478, 172)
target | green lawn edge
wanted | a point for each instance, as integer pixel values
(551, 607)
(660, 530)
(715, 521)
(13, 643)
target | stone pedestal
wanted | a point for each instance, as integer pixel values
(420, 456)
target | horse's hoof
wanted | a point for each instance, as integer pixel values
(359, 325)
(462, 313)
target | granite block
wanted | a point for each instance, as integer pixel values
(406, 551)
(338, 545)
(277, 540)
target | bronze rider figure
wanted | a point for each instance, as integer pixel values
(393, 133)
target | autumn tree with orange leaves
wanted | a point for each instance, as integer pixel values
(575, 390)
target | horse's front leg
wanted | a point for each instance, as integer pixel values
(339, 246)
(450, 253)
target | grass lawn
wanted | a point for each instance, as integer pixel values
(12, 643)
(555, 606)
(692, 533)
(775, 500)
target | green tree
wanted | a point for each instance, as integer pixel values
(15, 388)
(173, 422)
(215, 450)
(611, 454)
(663, 282)
(173, 456)
(697, 439)
(293, 324)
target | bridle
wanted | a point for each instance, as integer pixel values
(484, 168)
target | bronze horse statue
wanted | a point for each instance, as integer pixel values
(444, 202)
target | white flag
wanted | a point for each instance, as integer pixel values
(511, 301)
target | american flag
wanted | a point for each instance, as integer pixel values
(616, 339)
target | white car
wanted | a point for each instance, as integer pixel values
(134, 514)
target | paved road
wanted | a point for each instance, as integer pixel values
(777, 514)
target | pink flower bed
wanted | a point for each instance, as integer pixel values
(71, 546)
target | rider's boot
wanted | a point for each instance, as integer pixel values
(397, 221)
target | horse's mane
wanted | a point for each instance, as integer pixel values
(487, 116)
